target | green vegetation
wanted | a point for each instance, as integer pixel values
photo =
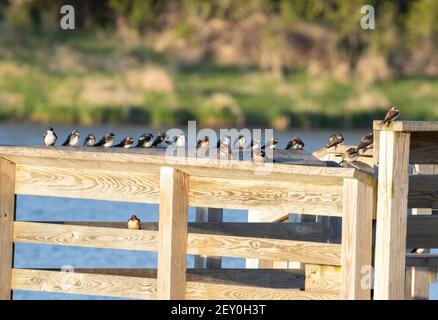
(266, 63)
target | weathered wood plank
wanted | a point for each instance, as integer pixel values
(304, 231)
(407, 126)
(356, 239)
(129, 160)
(323, 278)
(391, 215)
(423, 191)
(143, 288)
(422, 232)
(268, 278)
(421, 260)
(424, 148)
(172, 240)
(7, 217)
(282, 197)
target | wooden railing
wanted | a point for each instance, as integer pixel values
(332, 270)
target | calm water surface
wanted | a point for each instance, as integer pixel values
(30, 208)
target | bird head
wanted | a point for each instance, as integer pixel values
(394, 109)
(275, 140)
(340, 137)
(133, 217)
(75, 133)
(130, 140)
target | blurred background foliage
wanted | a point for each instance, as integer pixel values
(277, 63)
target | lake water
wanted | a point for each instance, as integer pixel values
(30, 208)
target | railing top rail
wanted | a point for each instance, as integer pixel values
(406, 126)
(293, 162)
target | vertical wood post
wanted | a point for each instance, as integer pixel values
(172, 243)
(7, 217)
(209, 215)
(391, 215)
(357, 240)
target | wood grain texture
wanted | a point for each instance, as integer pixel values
(7, 217)
(83, 283)
(407, 126)
(152, 159)
(422, 232)
(291, 195)
(143, 288)
(201, 244)
(172, 240)
(421, 260)
(391, 215)
(321, 197)
(424, 148)
(356, 238)
(93, 237)
(266, 278)
(323, 278)
(423, 191)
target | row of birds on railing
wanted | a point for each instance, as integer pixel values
(148, 140)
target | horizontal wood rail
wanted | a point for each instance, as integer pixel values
(267, 278)
(422, 231)
(199, 244)
(146, 288)
(303, 231)
(421, 260)
(423, 191)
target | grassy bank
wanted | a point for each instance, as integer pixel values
(97, 78)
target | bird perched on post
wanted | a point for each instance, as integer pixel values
(350, 155)
(128, 142)
(390, 116)
(106, 141)
(49, 137)
(202, 143)
(240, 142)
(295, 143)
(224, 146)
(90, 140)
(258, 155)
(159, 140)
(366, 142)
(72, 139)
(334, 140)
(145, 140)
(134, 223)
(255, 144)
(272, 143)
(179, 141)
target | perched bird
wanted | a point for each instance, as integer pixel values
(272, 143)
(159, 140)
(240, 142)
(72, 139)
(224, 141)
(350, 155)
(145, 141)
(179, 141)
(416, 250)
(202, 143)
(391, 115)
(90, 140)
(134, 223)
(49, 137)
(365, 142)
(334, 140)
(128, 142)
(295, 143)
(255, 144)
(258, 155)
(224, 146)
(106, 141)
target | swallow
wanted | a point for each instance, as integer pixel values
(49, 137)
(225, 141)
(134, 223)
(272, 143)
(202, 143)
(179, 141)
(366, 142)
(255, 144)
(416, 250)
(295, 143)
(240, 142)
(350, 155)
(106, 141)
(90, 140)
(128, 142)
(334, 140)
(391, 115)
(258, 155)
(72, 139)
(159, 140)
(145, 140)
